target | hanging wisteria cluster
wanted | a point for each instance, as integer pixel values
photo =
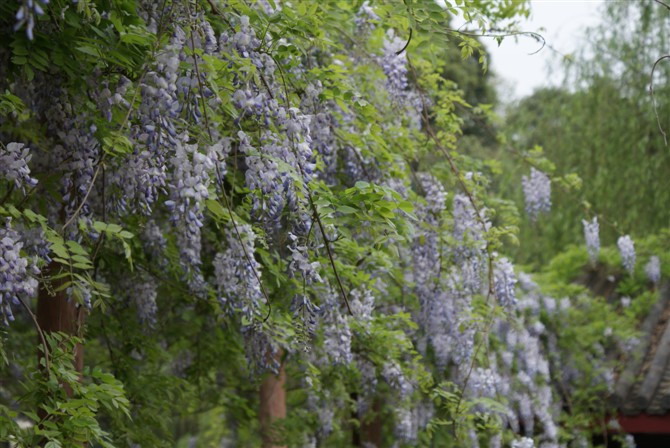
(653, 269)
(627, 251)
(592, 237)
(14, 159)
(537, 191)
(17, 273)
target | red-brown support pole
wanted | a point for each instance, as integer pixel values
(55, 313)
(272, 405)
(371, 430)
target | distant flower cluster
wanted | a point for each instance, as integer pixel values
(592, 237)
(653, 269)
(537, 191)
(627, 251)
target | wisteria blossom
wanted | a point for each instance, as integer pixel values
(14, 158)
(17, 281)
(537, 193)
(627, 251)
(592, 238)
(505, 282)
(653, 269)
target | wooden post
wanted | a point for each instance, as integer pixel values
(272, 405)
(371, 430)
(55, 313)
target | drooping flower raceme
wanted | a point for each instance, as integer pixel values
(16, 282)
(627, 251)
(366, 18)
(14, 160)
(362, 303)
(433, 192)
(405, 427)
(191, 177)
(306, 311)
(237, 273)
(395, 378)
(592, 237)
(300, 264)
(653, 269)
(144, 173)
(537, 193)
(483, 382)
(337, 337)
(505, 282)
(26, 15)
(145, 298)
(154, 243)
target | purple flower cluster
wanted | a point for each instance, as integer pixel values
(143, 175)
(14, 158)
(322, 130)
(366, 18)
(537, 192)
(395, 377)
(504, 283)
(16, 281)
(627, 251)
(26, 15)
(192, 174)
(592, 237)
(144, 295)
(336, 331)
(653, 269)
(300, 264)
(306, 311)
(483, 382)
(237, 273)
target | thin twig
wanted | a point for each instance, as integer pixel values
(246, 254)
(406, 44)
(83, 201)
(40, 332)
(197, 74)
(662, 4)
(478, 214)
(312, 205)
(653, 96)
(219, 178)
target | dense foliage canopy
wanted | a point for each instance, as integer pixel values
(208, 202)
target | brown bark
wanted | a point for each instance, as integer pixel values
(55, 313)
(272, 406)
(371, 430)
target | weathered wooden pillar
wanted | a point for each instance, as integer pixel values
(371, 430)
(272, 405)
(55, 313)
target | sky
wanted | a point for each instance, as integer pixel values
(561, 22)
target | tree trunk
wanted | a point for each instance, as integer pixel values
(272, 405)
